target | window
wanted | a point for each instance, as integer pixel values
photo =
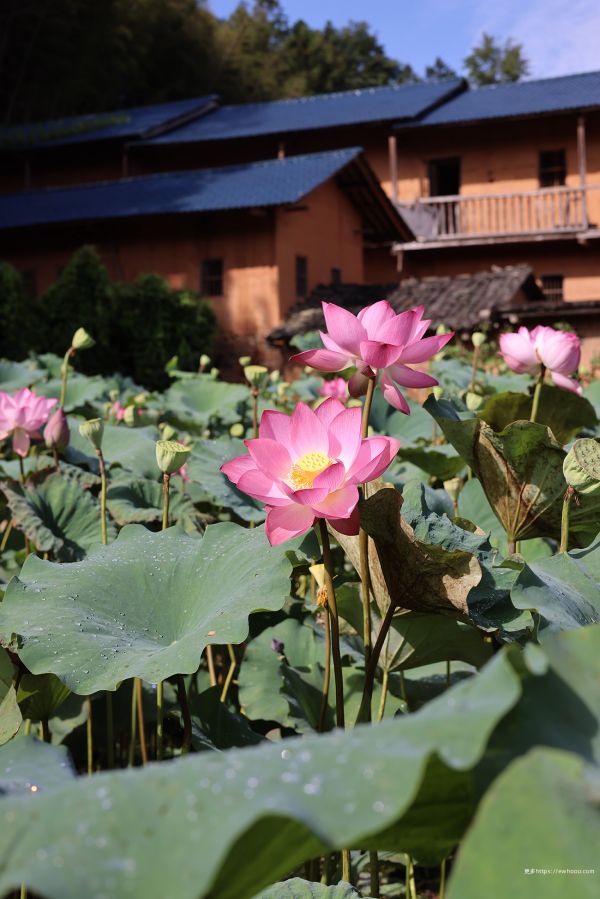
(301, 276)
(553, 168)
(211, 278)
(552, 286)
(444, 177)
(336, 276)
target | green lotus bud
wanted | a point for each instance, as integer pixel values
(167, 431)
(214, 373)
(204, 361)
(581, 467)
(237, 430)
(171, 455)
(92, 430)
(477, 338)
(245, 360)
(82, 340)
(256, 375)
(438, 392)
(453, 488)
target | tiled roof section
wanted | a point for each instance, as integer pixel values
(374, 104)
(463, 302)
(523, 98)
(137, 122)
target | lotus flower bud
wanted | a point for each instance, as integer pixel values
(167, 431)
(256, 375)
(581, 467)
(56, 432)
(214, 373)
(438, 392)
(171, 455)
(237, 430)
(477, 338)
(93, 431)
(245, 360)
(82, 340)
(204, 361)
(277, 646)
(453, 488)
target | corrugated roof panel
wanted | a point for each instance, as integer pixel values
(522, 98)
(269, 183)
(122, 123)
(372, 104)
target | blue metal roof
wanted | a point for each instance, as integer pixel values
(136, 122)
(373, 104)
(270, 183)
(523, 98)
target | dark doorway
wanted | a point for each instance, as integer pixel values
(444, 177)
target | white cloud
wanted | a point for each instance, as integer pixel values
(558, 37)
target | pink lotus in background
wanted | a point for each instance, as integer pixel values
(558, 351)
(21, 417)
(308, 465)
(337, 387)
(118, 410)
(377, 340)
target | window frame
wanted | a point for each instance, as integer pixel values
(211, 284)
(301, 277)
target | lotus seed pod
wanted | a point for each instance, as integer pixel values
(171, 455)
(237, 430)
(245, 360)
(274, 376)
(477, 338)
(438, 392)
(93, 431)
(581, 467)
(82, 340)
(473, 401)
(167, 431)
(214, 373)
(204, 361)
(256, 375)
(453, 488)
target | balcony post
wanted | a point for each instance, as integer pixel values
(393, 158)
(581, 158)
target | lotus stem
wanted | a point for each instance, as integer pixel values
(537, 394)
(165, 515)
(21, 469)
(210, 661)
(410, 876)
(89, 738)
(140, 714)
(6, 535)
(384, 693)
(110, 731)
(23, 892)
(564, 521)
(364, 713)
(230, 672)
(102, 468)
(64, 371)
(474, 368)
(327, 673)
(442, 893)
(185, 712)
(346, 866)
(45, 730)
(132, 726)
(335, 629)
(363, 539)
(159, 720)
(448, 675)
(255, 412)
(374, 871)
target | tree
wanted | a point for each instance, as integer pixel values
(493, 63)
(439, 71)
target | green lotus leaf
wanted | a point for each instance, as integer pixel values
(40, 695)
(14, 375)
(541, 817)
(58, 516)
(296, 888)
(140, 501)
(236, 821)
(440, 462)
(27, 762)
(145, 605)
(564, 412)
(131, 448)
(193, 403)
(81, 390)
(203, 468)
(10, 713)
(216, 726)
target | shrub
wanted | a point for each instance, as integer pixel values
(14, 313)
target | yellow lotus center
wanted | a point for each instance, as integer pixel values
(306, 469)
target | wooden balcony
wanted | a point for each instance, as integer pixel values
(487, 218)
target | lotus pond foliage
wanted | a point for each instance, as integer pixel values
(332, 636)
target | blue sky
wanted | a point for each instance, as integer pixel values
(559, 37)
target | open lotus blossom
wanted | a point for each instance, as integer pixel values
(337, 387)
(308, 465)
(377, 340)
(21, 416)
(558, 351)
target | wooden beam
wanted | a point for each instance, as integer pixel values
(581, 158)
(393, 157)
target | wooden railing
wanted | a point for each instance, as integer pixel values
(545, 211)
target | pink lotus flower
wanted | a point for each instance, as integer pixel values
(118, 410)
(558, 351)
(308, 465)
(21, 417)
(377, 339)
(337, 387)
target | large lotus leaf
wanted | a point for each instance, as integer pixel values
(140, 502)
(564, 589)
(40, 695)
(236, 821)
(520, 470)
(143, 606)
(10, 713)
(131, 448)
(440, 462)
(216, 726)
(81, 390)
(417, 639)
(203, 467)
(57, 515)
(296, 888)
(193, 403)
(536, 833)
(27, 762)
(14, 375)
(564, 412)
